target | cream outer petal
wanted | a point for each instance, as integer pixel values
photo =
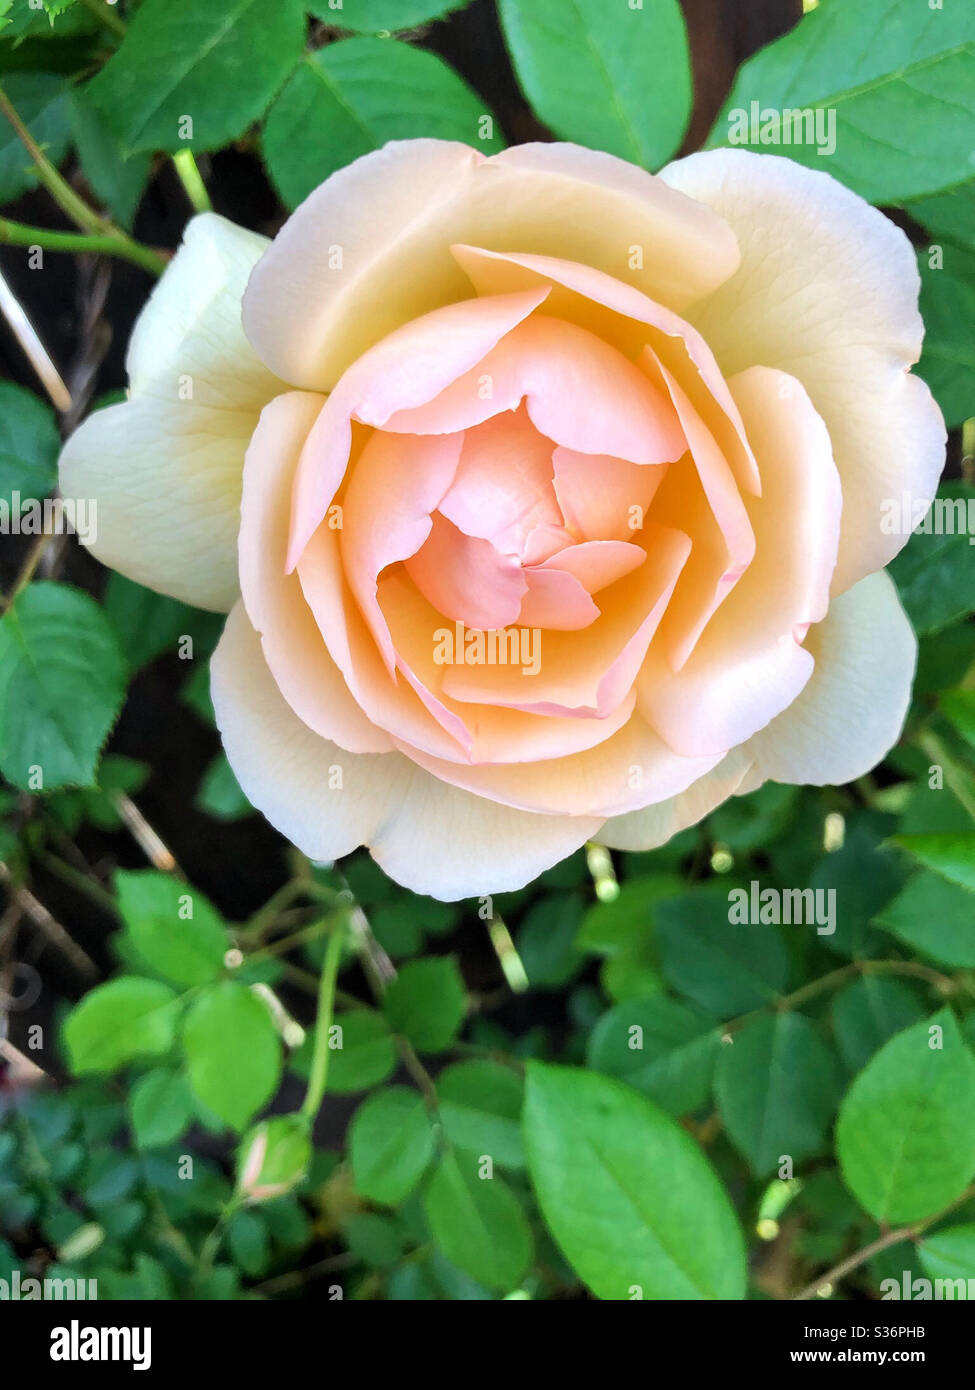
(828, 291)
(370, 249)
(655, 825)
(852, 711)
(165, 466)
(428, 836)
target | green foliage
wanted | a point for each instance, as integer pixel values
(62, 680)
(612, 78)
(29, 445)
(353, 96)
(899, 78)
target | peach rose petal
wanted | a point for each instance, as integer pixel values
(827, 291)
(588, 676)
(579, 391)
(602, 497)
(748, 666)
(610, 307)
(306, 674)
(427, 835)
(467, 578)
(852, 711)
(409, 367)
(369, 249)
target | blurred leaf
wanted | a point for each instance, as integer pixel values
(115, 1022)
(626, 1192)
(480, 1109)
(232, 1052)
(948, 307)
(62, 681)
(149, 624)
(367, 1055)
(174, 928)
(959, 707)
(864, 876)
(390, 1145)
(29, 447)
(219, 793)
(660, 1047)
(726, 968)
(546, 939)
(610, 78)
(951, 856)
(949, 215)
(868, 1012)
(380, 16)
(935, 574)
(627, 919)
(777, 1085)
(478, 1223)
(352, 97)
(934, 916)
(41, 101)
(161, 1107)
(949, 1254)
(899, 78)
(426, 1002)
(118, 180)
(906, 1130)
(248, 1241)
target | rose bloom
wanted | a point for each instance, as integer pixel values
(544, 496)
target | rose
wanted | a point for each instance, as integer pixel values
(640, 427)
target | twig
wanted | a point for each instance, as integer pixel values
(29, 340)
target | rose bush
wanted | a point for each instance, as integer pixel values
(544, 496)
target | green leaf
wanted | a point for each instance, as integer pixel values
(546, 941)
(118, 180)
(29, 447)
(610, 77)
(906, 1131)
(480, 1109)
(115, 1022)
(777, 1085)
(161, 1108)
(936, 917)
(367, 1055)
(374, 1238)
(950, 1254)
(935, 572)
(950, 215)
(864, 876)
(951, 856)
(175, 930)
(390, 1145)
(248, 1241)
(626, 1192)
(41, 102)
(899, 78)
(948, 308)
(627, 920)
(352, 97)
(217, 64)
(219, 793)
(380, 16)
(727, 969)
(232, 1052)
(478, 1223)
(426, 1002)
(148, 623)
(868, 1012)
(661, 1048)
(959, 707)
(62, 680)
